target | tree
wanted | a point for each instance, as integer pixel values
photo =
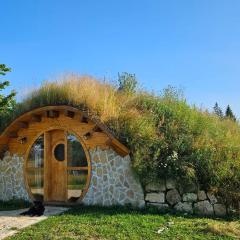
(229, 113)
(217, 110)
(6, 102)
(127, 82)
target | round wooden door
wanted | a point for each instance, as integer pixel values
(57, 168)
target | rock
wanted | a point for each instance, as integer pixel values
(185, 207)
(156, 187)
(201, 195)
(190, 187)
(130, 194)
(212, 197)
(204, 208)
(155, 197)
(189, 197)
(141, 204)
(173, 197)
(232, 211)
(160, 206)
(220, 210)
(170, 183)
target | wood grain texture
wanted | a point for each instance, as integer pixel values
(57, 180)
(38, 121)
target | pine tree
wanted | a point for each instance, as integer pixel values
(229, 113)
(217, 110)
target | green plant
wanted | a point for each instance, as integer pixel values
(6, 102)
(127, 82)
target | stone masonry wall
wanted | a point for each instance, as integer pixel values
(166, 195)
(113, 181)
(12, 184)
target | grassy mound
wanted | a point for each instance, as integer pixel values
(166, 136)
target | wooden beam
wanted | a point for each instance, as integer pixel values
(68, 113)
(52, 114)
(36, 118)
(89, 134)
(22, 140)
(119, 147)
(84, 119)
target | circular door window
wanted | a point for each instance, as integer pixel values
(59, 152)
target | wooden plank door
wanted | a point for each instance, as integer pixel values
(56, 172)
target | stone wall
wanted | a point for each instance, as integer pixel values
(113, 181)
(12, 179)
(166, 195)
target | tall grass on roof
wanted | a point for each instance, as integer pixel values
(167, 137)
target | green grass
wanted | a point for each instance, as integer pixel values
(13, 204)
(122, 223)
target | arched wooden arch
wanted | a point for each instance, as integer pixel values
(21, 134)
(17, 137)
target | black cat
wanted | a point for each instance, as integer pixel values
(36, 210)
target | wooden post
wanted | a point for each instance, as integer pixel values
(47, 154)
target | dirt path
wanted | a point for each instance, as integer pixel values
(11, 221)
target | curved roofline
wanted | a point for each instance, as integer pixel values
(44, 109)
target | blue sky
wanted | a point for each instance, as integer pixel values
(192, 44)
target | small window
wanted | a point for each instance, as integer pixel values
(59, 152)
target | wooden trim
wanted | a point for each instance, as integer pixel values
(65, 163)
(52, 114)
(36, 116)
(69, 114)
(34, 168)
(25, 167)
(89, 167)
(47, 152)
(120, 147)
(77, 168)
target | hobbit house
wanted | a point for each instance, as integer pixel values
(61, 155)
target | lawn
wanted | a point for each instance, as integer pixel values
(124, 223)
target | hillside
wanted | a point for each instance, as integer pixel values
(166, 136)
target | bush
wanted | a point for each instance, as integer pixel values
(166, 136)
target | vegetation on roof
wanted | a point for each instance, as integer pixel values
(167, 137)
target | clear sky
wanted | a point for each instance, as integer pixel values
(192, 44)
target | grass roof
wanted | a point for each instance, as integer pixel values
(166, 136)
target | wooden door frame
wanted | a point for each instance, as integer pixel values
(45, 133)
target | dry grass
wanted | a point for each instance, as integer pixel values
(82, 91)
(228, 229)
